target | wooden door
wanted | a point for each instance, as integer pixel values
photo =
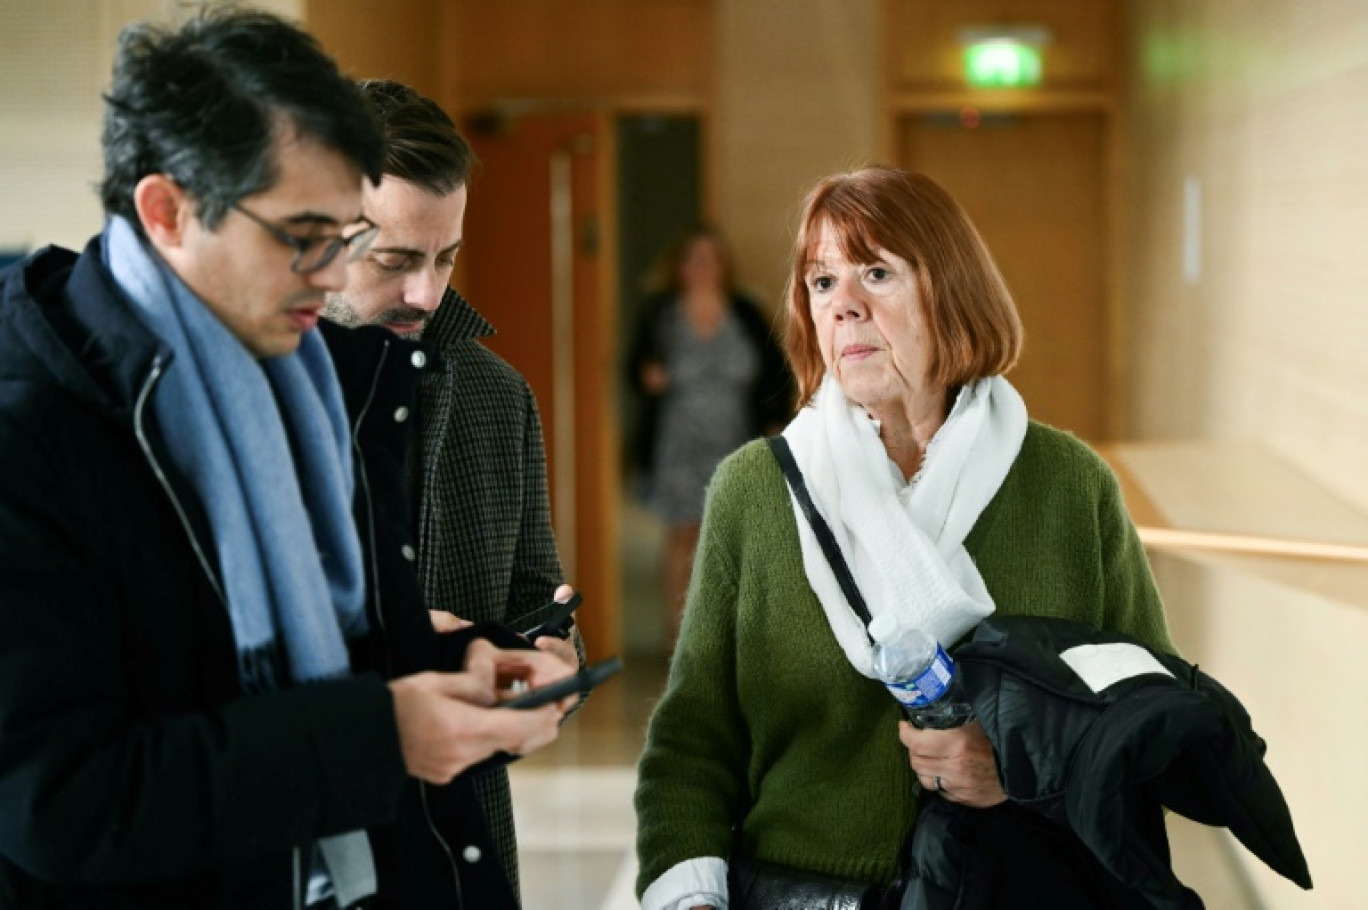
(532, 265)
(1034, 186)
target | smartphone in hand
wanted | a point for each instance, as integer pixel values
(557, 623)
(582, 682)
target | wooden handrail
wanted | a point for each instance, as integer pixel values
(1158, 531)
(1174, 539)
(1271, 515)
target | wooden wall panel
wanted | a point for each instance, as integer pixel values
(555, 49)
(1074, 195)
(1035, 188)
(392, 39)
(925, 50)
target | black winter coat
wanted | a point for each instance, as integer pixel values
(133, 773)
(1088, 773)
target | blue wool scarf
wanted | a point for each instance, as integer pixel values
(287, 545)
(266, 447)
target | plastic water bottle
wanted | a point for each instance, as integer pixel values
(921, 676)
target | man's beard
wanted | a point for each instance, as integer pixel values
(404, 315)
(343, 313)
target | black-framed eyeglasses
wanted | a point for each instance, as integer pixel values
(313, 254)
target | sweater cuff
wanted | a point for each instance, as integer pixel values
(701, 881)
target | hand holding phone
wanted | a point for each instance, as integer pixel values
(582, 682)
(446, 726)
(557, 622)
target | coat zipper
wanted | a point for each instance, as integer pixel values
(139, 407)
(370, 507)
(441, 842)
(140, 431)
(297, 890)
(379, 612)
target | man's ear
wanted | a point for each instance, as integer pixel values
(164, 209)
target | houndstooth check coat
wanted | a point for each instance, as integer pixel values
(486, 549)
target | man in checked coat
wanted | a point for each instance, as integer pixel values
(486, 551)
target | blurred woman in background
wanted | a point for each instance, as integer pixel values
(712, 377)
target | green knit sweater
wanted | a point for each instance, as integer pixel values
(768, 739)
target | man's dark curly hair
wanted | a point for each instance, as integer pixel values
(423, 144)
(204, 102)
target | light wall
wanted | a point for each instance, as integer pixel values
(1295, 662)
(1266, 106)
(1262, 108)
(55, 58)
(798, 96)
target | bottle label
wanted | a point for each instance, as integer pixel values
(929, 685)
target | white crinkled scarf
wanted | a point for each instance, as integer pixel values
(904, 542)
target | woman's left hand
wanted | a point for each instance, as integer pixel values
(958, 763)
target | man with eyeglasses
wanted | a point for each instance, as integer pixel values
(219, 686)
(313, 254)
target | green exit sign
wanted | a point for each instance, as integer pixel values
(1002, 63)
(1004, 56)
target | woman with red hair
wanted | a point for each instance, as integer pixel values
(776, 754)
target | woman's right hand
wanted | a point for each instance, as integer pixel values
(958, 763)
(654, 379)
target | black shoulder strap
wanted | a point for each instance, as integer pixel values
(780, 447)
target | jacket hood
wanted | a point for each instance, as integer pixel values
(63, 321)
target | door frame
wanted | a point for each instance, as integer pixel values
(902, 104)
(602, 626)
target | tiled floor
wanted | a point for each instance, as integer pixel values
(573, 800)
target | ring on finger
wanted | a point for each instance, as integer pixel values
(939, 788)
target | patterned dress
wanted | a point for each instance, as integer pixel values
(705, 412)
